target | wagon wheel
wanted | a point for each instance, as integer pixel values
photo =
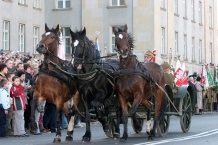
(162, 128)
(186, 110)
(141, 123)
(112, 125)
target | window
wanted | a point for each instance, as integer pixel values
(193, 49)
(211, 53)
(21, 37)
(162, 40)
(200, 12)
(210, 17)
(193, 10)
(162, 4)
(175, 6)
(176, 43)
(113, 46)
(185, 8)
(6, 35)
(36, 4)
(63, 4)
(22, 2)
(35, 38)
(185, 46)
(66, 39)
(200, 51)
(117, 2)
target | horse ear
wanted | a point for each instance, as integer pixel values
(72, 34)
(84, 32)
(115, 31)
(125, 28)
(57, 28)
(46, 28)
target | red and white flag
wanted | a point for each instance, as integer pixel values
(61, 48)
(204, 80)
(180, 74)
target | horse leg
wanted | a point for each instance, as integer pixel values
(116, 134)
(102, 118)
(70, 129)
(87, 136)
(57, 139)
(124, 106)
(148, 123)
(32, 117)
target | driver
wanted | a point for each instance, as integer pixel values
(148, 57)
(169, 78)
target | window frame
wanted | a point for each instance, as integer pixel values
(4, 35)
(163, 4)
(193, 49)
(175, 7)
(200, 51)
(23, 2)
(21, 34)
(118, 3)
(200, 12)
(163, 50)
(185, 8)
(185, 46)
(64, 4)
(211, 52)
(35, 37)
(64, 37)
(37, 4)
(210, 17)
(193, 10)
(176, 35)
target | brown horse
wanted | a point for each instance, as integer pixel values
(52, 85)
(139, 87)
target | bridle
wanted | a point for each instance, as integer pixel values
(128, 45)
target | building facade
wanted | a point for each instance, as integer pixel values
(22, 23)
(184, 29)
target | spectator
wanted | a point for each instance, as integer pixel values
(28, 77)
(4, 106)
(19, 105)
(194, 100)
(9, 117)
(199, 90)
(19, 67)
(49, 118)
(9, 63)
(3, 71)
(27, 60)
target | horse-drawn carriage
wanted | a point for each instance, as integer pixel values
(109, 90)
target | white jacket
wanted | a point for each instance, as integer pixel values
(4, 98)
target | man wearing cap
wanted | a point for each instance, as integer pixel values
(148, 57)
(169, 78)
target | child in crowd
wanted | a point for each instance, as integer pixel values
(9, 117)
(4, 106)
(19, 105)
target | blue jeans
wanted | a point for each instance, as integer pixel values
(49, 118)
(64, 122)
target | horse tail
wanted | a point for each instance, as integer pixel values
(77, 110)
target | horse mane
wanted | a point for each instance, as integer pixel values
(130, 38)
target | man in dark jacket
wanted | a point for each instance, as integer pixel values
(194, 99)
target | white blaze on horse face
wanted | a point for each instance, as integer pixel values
(48, 33)
(76, 42)
(148, 126)
(120, 36)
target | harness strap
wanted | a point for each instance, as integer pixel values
(59, 77)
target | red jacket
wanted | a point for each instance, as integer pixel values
(18, 98)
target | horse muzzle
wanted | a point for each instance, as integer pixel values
(124, 53)
(41, 48)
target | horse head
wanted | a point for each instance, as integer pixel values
(123, 42)
(83, 50)
(50, 40)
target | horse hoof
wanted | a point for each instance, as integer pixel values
(108, 134)
(116, 136)
(150, 137)
(85, 139)
(69, 138)
(123, 140)
(57, 140)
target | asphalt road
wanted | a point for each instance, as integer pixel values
(203, 131)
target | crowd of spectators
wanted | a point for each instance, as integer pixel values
(17, 74)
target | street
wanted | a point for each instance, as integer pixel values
(204, 130)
